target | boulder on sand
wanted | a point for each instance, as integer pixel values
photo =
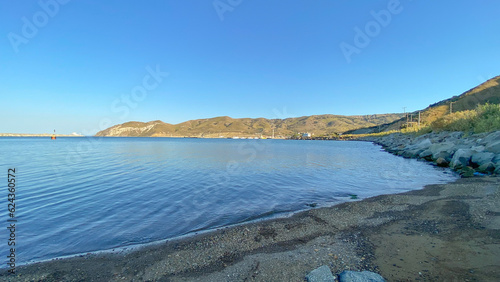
(357, 276)
(320, 274)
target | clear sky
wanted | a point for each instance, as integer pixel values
(76, 66)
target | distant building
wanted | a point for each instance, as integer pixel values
(307, 135)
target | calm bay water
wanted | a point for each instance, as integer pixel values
(77, 195)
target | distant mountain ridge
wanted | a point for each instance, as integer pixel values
(248, 127)
(318, 125)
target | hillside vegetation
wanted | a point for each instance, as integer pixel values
(467, 104)
(484, 118)
(246, 127)
(476, 110)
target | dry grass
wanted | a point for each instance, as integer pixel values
(484, 118)
(379, 134)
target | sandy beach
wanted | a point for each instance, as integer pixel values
(444, 232)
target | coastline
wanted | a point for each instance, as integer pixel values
(37, 135)
(444, 231)
(467, 154)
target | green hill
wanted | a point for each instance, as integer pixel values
(248, 127)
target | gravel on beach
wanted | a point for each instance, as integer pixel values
(442, 232)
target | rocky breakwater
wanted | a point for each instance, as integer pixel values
(466, 154)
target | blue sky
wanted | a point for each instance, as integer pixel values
(78, 66)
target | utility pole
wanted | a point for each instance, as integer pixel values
(404, 111)
(451, 107)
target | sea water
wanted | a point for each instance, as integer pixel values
(77, 195)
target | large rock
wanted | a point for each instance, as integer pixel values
(478, 149)
(320, 274)
(363, 276)
(478, 159)
(493, 147)
(492, 137)
(424, 144)
(466, 171)
(496, 159)
(442, 162)
(457, 135)
(427, 154)
(486, 168)
(461, 158)
(443, 155)
(409, 154)
(414, 151)
(442, 150)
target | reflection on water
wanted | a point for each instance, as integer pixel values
(77, 194)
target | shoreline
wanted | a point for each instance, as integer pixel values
(335, 200)
(37, 135)
(135, 247)
(467, 154)
(358, 235)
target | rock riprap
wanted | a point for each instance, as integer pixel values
(466, 154)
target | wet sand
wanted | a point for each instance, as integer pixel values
(447, 232)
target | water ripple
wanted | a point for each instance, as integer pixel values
(78, 195)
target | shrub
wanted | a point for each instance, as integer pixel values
(458, 121)
(484, 118)
(489, 118)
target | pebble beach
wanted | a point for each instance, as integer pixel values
(444, 232)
